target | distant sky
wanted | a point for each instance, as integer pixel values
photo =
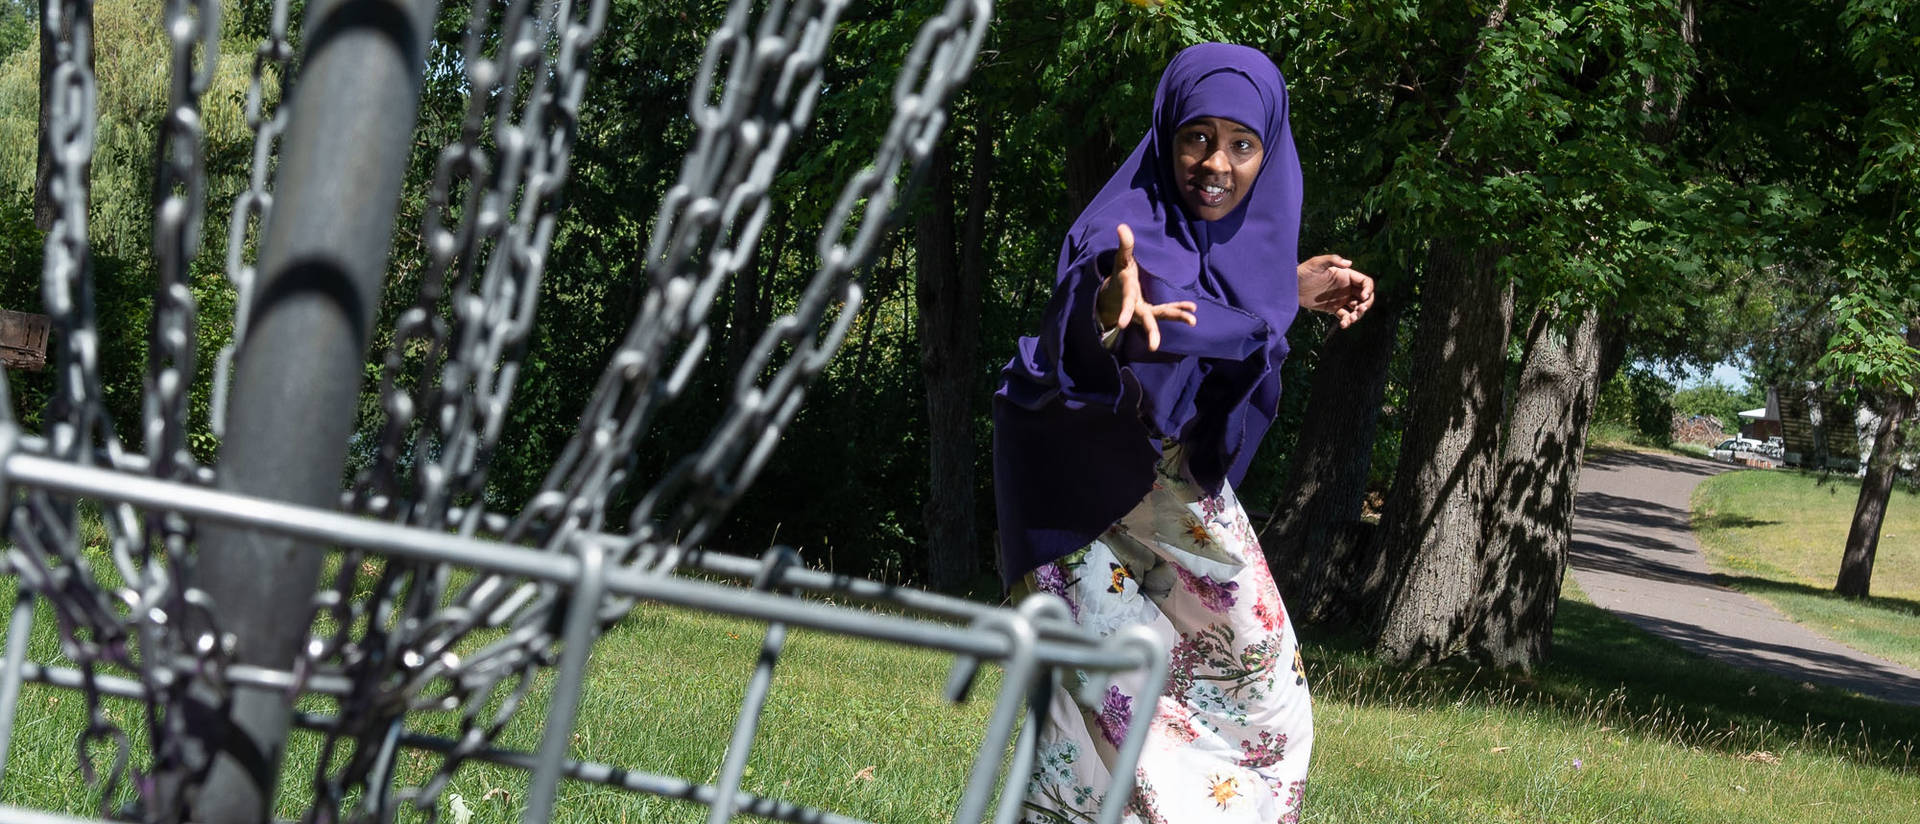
(1727, 373)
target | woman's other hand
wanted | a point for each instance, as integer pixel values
(1330, 284)
(1120, 301)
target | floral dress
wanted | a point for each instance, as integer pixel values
(1233, 731)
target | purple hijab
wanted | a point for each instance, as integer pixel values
(1077, 427)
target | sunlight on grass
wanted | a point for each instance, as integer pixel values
(1620, 727)
(1779, 535)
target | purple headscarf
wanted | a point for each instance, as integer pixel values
(1077, 427)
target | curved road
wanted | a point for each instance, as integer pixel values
(1634, 554)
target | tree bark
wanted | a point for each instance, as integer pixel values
(1322, 554)
(1532, 518)
(1817, 424)
(1863, 537)
(44, 209)
(1435, 518)
(746, 316)
(947, 290)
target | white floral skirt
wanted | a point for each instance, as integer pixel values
(1232, 734)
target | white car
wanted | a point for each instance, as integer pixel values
(1734, 449)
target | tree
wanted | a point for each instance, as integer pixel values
(1541, 191)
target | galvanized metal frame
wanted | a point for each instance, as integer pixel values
(189, 540)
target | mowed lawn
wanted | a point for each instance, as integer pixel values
(1619, 728)
(1779, 535)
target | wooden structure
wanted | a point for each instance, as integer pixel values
(1835, 435)
(23, 340)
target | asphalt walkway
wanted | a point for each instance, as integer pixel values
(1634, 554)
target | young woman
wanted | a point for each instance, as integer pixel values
(1121, 428)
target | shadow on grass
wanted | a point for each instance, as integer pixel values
(1605, 672)
(1764, 586)
(1728, 520)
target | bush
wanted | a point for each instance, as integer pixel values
(1639, 401)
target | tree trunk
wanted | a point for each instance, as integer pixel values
(1435, 519)
(44, 209)
(1532, 517)
(947, 290)
(746, 316)
(1863, 537)
(1322, 554)
(1817, 424)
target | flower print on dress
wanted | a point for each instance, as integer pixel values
(1173, 724)
(1296, 794)
(1213, 703)
(1226, 790)
(1115, 600)
(1265, 751)
(1052, 578)
(1208, 656)
(1116, 715)
(1053, 781)
(1215, 596)
(1146, 801)
(1261, 663)
(1053, 764)
(1269, 613)
(1211, 506)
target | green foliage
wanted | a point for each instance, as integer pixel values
(1719, 400)
(1638, 398)
(19, 27)
(1871, 347)
(131, 66)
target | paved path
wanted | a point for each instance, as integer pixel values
(1634, 554)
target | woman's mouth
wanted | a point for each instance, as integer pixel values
(1209, 194)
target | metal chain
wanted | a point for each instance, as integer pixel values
(180, 195)
(490, 220)
(681, 509)
(184, 660)
(451, 371)
(178, 644)
(268, 85)
(49, 558)
(706, 229)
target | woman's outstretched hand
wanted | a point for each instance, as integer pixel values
(1330, 284)
(1120, 301)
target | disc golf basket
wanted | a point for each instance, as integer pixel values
(232, 599)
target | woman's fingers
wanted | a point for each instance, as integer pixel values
(1179, 310)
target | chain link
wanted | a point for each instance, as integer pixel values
(448, 380)
(266, 87)
(397, 632)
(50, 558)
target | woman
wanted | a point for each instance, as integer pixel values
(1120, 430)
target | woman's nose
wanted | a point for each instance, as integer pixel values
(1216, 161)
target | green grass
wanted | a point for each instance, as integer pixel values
(1612, 437)
(1620, 727)
(1779, 535)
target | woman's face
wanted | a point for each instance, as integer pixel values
(1214, 163)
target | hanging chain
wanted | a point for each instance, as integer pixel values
(448, 379)
(453, 365)
(706, 230)
(180, 197)
(49, 557)
(267, 86)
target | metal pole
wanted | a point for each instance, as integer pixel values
(297, 374)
